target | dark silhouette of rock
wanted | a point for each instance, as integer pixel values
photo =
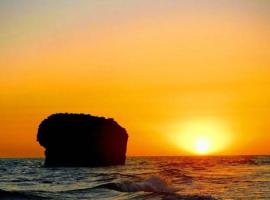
(82, 140)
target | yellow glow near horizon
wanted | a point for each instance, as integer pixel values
(203, 137)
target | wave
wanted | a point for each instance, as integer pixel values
(156, 185)
(152, 184)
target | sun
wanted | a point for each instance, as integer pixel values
(202, 146)
(202, 136)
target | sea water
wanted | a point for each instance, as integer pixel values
(225, 177)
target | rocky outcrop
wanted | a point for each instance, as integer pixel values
(82, 140)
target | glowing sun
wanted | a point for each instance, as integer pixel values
(202, 137)
(202, 146)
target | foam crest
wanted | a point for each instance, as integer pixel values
(152, 184)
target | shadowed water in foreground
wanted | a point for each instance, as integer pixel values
(235, 177)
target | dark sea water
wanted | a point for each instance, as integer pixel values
(228, 177)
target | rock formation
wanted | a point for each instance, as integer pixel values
(82, 140)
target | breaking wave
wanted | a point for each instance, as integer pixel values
(152, 184)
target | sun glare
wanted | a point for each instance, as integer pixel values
(202, 146)
(202, 137)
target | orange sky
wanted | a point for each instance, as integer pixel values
(159, 68)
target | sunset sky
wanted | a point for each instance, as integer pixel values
(170, 72)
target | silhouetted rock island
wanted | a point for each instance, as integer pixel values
(82, 140)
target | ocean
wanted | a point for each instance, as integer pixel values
(168, 178)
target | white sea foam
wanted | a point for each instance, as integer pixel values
(151, 184)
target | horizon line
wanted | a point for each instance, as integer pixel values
(232, 155)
